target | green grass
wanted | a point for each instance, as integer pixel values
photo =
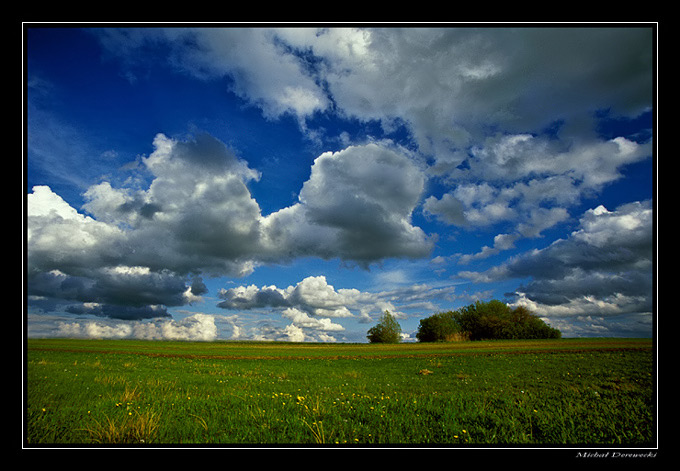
(557, 392)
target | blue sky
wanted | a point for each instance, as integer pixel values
(293, 183)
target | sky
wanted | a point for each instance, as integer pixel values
(292, 183)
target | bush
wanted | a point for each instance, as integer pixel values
(387, 330)
(485, 320)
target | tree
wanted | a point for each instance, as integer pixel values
(387, 330)
(440, 327)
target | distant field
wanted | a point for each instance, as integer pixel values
(537, 392)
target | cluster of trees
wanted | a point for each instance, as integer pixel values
(485, 320)
(479, 321)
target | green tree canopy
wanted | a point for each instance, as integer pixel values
(440, 327)
(387, 330)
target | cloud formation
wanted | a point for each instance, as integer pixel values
(516, 79)
(528, 182)
(604, 268)
(145, 246)
(315, 308)
(314, 297)
(199, 327)
(356, 204)
(507, 116)
(498, 130)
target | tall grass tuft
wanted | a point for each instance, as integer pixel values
(137, 428)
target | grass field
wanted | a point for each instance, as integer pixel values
(509, 393)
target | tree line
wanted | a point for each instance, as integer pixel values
(479, 321)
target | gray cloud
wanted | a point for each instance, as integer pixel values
(464, 81)
(357, 205)
(604, 267)
(115, 311)
(130, 286)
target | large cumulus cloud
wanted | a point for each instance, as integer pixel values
(197, 213)
(133, 247)
(357, 204)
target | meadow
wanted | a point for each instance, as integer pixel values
(565, 392)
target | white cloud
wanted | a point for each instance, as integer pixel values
(302, 320)
(527, 182)
(262, 71)
(320, 298)
(623, 325)
(612, 305)
(292, 333)
(59, 237)
(316, 309)
(501, 242)
(313, 296)
(197, 327)
(591, 162)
